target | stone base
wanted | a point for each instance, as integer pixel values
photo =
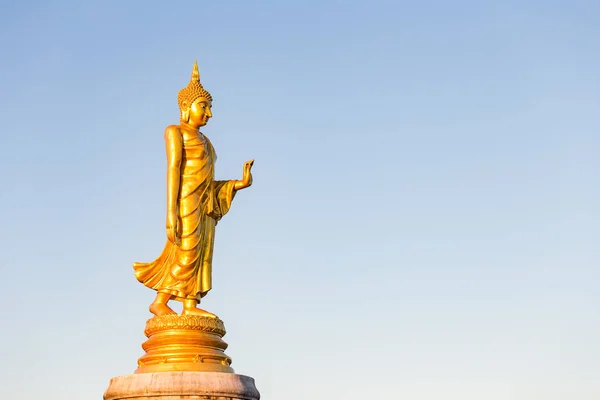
(182, 386)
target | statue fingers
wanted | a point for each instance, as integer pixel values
(171, 235)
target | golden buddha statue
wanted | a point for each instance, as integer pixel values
(195, 203)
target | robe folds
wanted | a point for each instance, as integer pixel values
(184, 270)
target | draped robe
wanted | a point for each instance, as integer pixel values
(184, 270)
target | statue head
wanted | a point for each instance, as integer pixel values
(194, 101)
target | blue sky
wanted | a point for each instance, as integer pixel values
(425, 214)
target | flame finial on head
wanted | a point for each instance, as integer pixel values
(193, 91)
(195, 73)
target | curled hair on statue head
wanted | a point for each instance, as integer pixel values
(192, 92)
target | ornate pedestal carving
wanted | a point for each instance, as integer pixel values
(184, 360)
(184, 343)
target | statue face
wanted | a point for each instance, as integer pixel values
(200, 112)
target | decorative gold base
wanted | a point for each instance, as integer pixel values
(184, 343)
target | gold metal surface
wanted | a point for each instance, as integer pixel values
(184, 343)
(195, 203)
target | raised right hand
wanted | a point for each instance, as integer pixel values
(246, 177)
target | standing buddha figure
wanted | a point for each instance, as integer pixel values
(195, 203)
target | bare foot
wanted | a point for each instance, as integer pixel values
(159, 309)
(198, 311)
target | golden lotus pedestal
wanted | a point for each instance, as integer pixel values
(184, 359)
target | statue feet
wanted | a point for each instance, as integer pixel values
(197, 311)
(159, 309)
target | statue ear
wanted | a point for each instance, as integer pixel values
(185, 111)
(185, 114)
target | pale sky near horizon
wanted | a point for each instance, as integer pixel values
(425, 217)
